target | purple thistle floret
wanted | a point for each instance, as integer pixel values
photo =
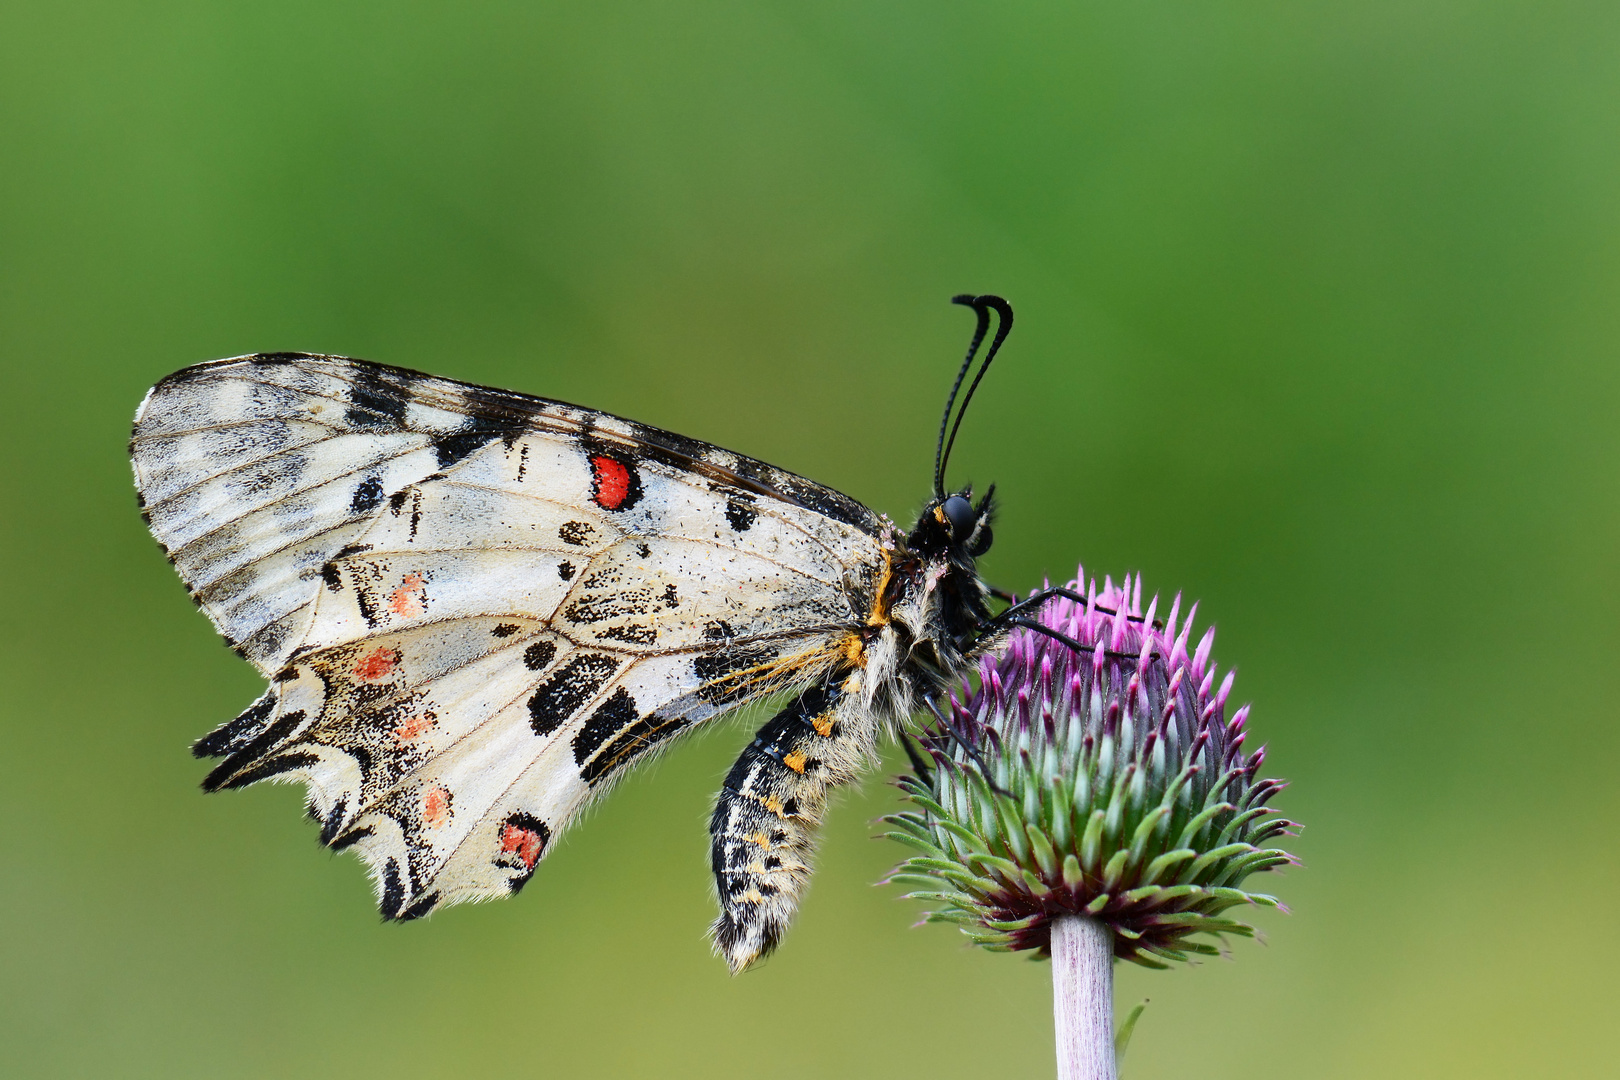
(1116, 788)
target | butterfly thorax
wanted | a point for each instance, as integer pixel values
(928, 613)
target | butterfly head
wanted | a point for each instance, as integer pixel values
(954, 528)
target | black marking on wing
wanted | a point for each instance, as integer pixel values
(350, 838)
(419, 907)
(632, 736)
(577, 533)
(234, 733)
(612, 716)
(569, 687)
(478, 432)
(378, 396)
(630, 634)
(539, 654)
(252, 749)
(368, 495)
(740, 515)
(332, 823)
(272, 767)
(393, 893)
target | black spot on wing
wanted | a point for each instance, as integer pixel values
(569, 687)
(740, 515)
(368, 495)
(476, 433)
(578, 533)
(612, 716)
(565, 570)
(393, 894)
(505, 629)
(367, 611)
(538, 655)
(630, 634)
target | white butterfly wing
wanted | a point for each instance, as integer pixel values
(477, 606)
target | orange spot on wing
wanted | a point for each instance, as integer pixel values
(409, 601)
(524, 843)
(436, 807)
(414, 726)
(377, 664)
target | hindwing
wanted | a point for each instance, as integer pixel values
(476, 607)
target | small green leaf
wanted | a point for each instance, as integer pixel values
(912, 842)
(1115, 869)
(1072, 875)
(1122, 1038)
(1091, 842)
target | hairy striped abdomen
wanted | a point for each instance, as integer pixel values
(765, 823)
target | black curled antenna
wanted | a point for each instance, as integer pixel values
(982, 306)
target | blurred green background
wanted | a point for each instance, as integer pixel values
(1317, 322)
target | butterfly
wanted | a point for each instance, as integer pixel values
(476, 609)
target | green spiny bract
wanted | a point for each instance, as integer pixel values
(1116, 788)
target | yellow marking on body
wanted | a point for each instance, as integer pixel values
(823, 725)
(759, 838)
(855, 650)
(879, 615)
(756, 867)
(752, 896)
(773, 804)
(795, 761)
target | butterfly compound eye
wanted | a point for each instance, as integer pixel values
(960, 513)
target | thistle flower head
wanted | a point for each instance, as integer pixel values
(1104, 781)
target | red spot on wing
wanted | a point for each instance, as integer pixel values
(377, 664)
(612, 481)
(526, 844)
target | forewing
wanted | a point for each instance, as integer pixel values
(476, 607)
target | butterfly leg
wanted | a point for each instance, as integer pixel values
(769, 812)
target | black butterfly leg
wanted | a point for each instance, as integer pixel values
(765, 823)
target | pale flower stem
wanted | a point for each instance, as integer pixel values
(1083, 997)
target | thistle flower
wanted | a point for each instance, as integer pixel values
(1103, 782)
